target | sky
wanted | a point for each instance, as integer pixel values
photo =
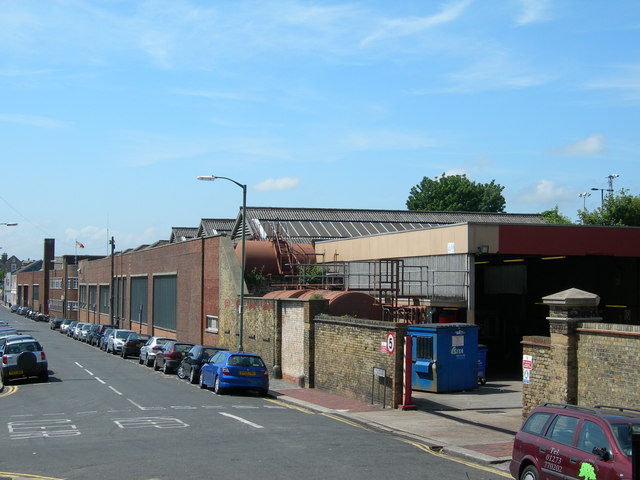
(109, 110)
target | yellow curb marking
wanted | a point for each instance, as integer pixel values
(9, 391)
(26, 475)
(291, 406)
(426, 448)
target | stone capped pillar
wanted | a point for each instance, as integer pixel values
(567, 310)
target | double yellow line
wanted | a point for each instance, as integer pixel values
(8, 391)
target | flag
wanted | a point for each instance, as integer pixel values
(79, 245)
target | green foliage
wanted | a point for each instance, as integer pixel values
(316, 296)
(310, 274)
(555, 217)
(255, 279)
(456, 193)
(622, 209)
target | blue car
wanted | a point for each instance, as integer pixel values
(237, 370)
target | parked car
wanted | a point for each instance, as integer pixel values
(77, 329)
(83, 332)
(168, 358)
(568, 441)
(54, 323)
(132, 344)
(193, 360)
(238, 370)
(14, 308)
(107, 340)
(64, 326)
(24, 357)
(5, 339)
(71, 328)
(149, 349)
(104, 340)
(116, 340)
(96, 333)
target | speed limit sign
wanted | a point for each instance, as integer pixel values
(391, 343)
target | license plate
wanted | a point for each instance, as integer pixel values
(16, 372)
(248, 373)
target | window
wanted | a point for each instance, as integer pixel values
(591, 436)
(536, 423)
(83, 296)
(138, 305)
(212, 324)
(562, 429)
(72, 306)
(55, 305)
(72, 283)
(424, 347)
(36, 292)
(93, 293)
(104, 299)
(165, 301)
(55, 283)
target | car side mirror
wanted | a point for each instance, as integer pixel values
(602, 453)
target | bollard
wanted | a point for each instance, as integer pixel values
(635, 458)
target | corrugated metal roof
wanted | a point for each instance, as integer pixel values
(215, 226)
(180, 234)
(303, 225)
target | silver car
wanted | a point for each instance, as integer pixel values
(83, 332)
(24, 357)
(149, 349)
(116, 339)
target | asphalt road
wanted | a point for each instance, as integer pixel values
(102, 417)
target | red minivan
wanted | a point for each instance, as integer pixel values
(568, 441)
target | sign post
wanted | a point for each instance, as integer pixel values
(407, 374)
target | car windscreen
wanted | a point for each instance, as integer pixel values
(183, 347)
(245, 361)
(623, 432)
(123, 334)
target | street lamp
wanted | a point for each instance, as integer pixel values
(584, 196)
(211, 178)
(601, 194)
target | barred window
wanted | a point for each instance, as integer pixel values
(212, 323)
(72, 283)
(72, 306)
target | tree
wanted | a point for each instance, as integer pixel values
(622, 209)
(554, 216)
(456, 193)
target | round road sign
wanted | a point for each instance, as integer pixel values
(391, 343)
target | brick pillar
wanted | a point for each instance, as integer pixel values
(567, 310)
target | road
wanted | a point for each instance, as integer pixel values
(102, 417)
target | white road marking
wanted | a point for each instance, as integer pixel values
(145, 408)
(111, 388)
(100, 380)
(155, 422)
(42, 429)
(78, 364)
(183, 407)
(242, 420)
(90, 373)
(246, 407)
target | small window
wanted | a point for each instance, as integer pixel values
(212, 324)
(535, 423)
(562, 429)
(591, 436)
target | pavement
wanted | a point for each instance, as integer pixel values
(476, 425)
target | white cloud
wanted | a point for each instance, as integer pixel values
(592, 145)
(412, 25)
(545, 191)
(455, 171)
(33, 121)
(532, 11)
(277, 184)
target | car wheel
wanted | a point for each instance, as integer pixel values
(192, 376)
(44, 377)
(201, 383)
(180, 372)
(166, 370)
(155, 365)
(529, 473)
(216, 386)
(140, 361)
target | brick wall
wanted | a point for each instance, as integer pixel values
(533, 393)
(608, 359)
(346, 352)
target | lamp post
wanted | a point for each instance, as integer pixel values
(211, 178)
(584, 196)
